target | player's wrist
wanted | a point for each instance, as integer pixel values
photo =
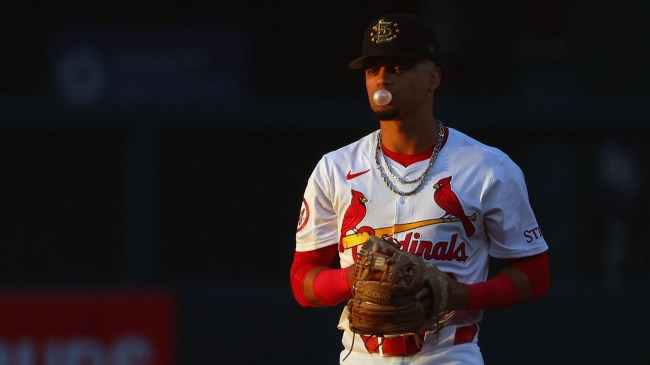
(350, 275)
(459, 295)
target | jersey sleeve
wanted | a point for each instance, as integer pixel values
(509, 219)
(317, 224)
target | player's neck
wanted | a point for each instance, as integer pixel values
(400, 136)
(406, 159)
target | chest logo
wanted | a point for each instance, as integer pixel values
(352, 235)
(449, 202)
(351, 175)
(354, 214)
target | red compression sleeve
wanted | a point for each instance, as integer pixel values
(303, 263)
(537, 271)
(501, 291)
(298, 275)
(331, 286)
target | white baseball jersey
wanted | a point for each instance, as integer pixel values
(346, 197)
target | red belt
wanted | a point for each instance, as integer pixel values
(411, 344)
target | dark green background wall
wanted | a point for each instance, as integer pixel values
(172, 187)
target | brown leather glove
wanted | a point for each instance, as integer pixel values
(386, 280)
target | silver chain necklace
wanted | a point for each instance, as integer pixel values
(420, 179)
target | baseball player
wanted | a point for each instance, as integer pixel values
(441, 194)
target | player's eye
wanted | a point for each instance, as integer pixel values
(403, 67)
(372, 70)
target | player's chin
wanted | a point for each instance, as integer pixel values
(388, 113)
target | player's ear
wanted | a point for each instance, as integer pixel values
(435, 77)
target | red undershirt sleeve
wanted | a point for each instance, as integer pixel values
(537, 271)
(330, 285)
(501, 291)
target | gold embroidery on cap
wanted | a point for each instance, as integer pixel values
(384, 31)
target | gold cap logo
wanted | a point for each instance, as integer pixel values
(384, 31)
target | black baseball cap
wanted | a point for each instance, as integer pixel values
(399, 36)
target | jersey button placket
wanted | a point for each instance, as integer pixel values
(402, 209)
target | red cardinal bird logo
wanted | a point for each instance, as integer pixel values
(353, 215)
(448, 200)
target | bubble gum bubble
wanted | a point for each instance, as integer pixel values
(382, 97)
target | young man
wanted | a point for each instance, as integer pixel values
(400, 181)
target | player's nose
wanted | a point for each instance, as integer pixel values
(383, 77)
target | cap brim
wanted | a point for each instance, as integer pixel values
(360, 62)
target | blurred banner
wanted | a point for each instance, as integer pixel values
(148, 64)
(87, 328)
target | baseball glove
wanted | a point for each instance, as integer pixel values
(383, 292)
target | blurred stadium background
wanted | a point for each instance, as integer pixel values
(153, 156)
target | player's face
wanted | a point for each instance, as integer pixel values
(411, 83)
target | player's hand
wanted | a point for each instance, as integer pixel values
(423, 293)
(458, 293)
